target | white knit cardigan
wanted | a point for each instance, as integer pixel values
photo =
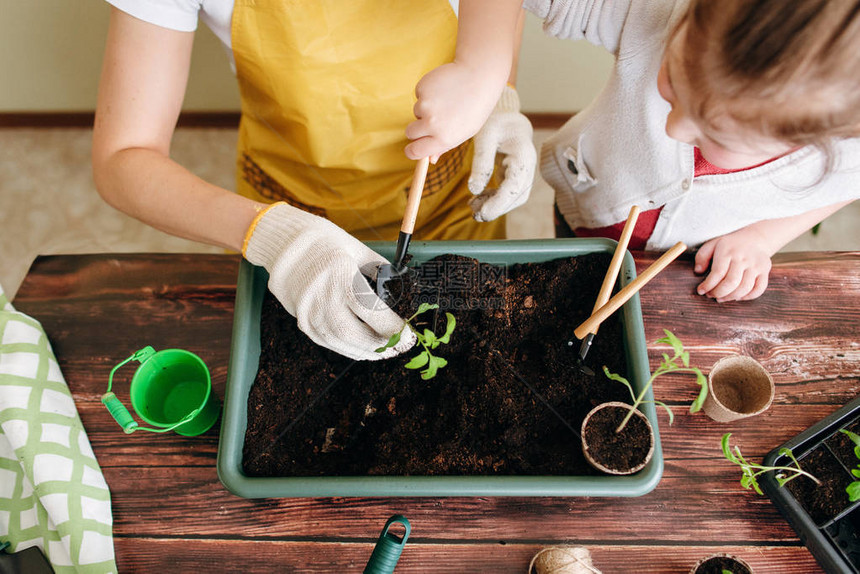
(615, 153)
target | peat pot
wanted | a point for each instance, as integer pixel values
(245, 361)
(719, 563)
(739, 387)
(612, 452)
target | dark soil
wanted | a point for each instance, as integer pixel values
(510, 401)
(822, 502)
(619, 451)
(718, 564)
(843, 447)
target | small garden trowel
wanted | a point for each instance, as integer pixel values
(608, 284)
(590, 325)
(397, 267)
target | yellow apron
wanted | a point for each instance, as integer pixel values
(327, 90)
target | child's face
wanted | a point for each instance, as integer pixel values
(729, 145)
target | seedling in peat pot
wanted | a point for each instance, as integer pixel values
(427, 339)
(668, 365)
(853, 489)
(751, 471)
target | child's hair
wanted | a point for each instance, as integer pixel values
(790, 69)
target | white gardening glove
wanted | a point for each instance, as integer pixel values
(508, 132)
(315, 270)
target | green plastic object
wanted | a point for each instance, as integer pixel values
(388, 547)
(170, 390)
(244, 361)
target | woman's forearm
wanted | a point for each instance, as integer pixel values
(154, 189)
(142, 85)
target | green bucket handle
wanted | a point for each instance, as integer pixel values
(388, 547)
(118, 410)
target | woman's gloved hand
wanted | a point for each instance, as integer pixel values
(508, 132)
(316, 270)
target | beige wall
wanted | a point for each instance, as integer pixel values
(558, 75)
(50, 58)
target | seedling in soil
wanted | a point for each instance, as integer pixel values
(427, 339)
(668, 365)
(853, 489)
(751, 471)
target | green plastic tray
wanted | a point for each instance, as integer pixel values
(245, 355)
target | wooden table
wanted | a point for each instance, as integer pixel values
(171, 513)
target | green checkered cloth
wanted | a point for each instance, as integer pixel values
(52, 492)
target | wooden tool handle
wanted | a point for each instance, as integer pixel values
(414, 197)
(629, 290)
(617, 258)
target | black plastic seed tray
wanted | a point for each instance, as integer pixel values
(832, 534)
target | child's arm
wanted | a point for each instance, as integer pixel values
(740, 261)
(454, 100)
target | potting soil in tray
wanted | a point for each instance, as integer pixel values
(509, 402)
(843, 448)
(825, 500)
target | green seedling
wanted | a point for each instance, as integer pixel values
(668, 365)
(853, 489)
(428, 340)
(752, 471)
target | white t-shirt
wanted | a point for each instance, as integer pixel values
(182, 15)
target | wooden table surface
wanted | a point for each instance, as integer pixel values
(171, 513)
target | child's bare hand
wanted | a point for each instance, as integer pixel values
(740, 265)
(454, 101)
